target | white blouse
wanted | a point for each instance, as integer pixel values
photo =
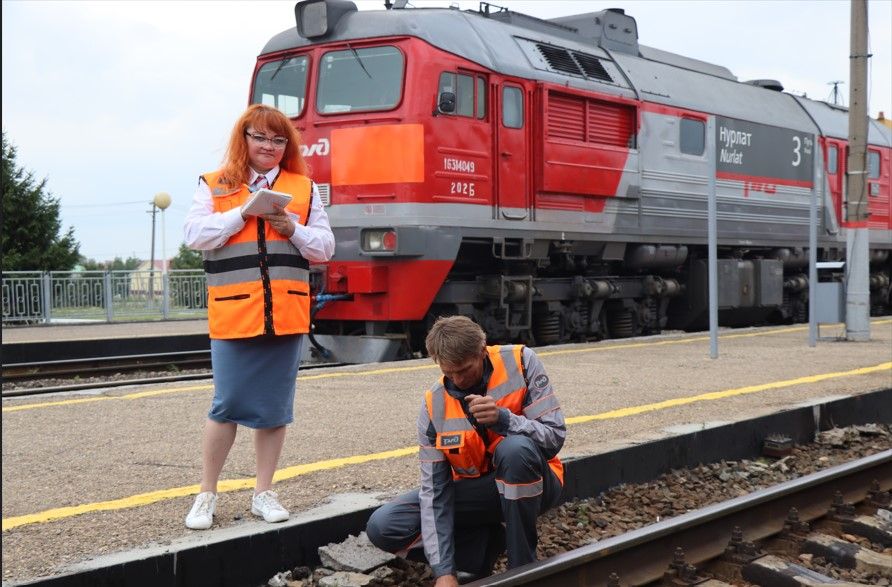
(205, 229)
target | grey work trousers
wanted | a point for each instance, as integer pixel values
(480, 510)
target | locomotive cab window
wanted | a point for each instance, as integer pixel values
(283, 85)
(512, 107)
(461, 95)
(363, 80)
(692, 139)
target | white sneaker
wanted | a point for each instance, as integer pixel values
(267, 504)
(201, 516)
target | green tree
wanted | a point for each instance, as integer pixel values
(186, 259)
(91, 264)
(117, 264)
(120, 265)
(31, 227)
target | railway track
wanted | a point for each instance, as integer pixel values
(760, 538)
(96, 372)
(102, 365)
(66, 365)
(103, 372)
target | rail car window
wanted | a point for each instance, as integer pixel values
(360, 80)
(468, 102)
(873, 165)
(832, 159)
(283, 85)
(693, 136)
(512, 107)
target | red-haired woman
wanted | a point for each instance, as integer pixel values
(258, 297)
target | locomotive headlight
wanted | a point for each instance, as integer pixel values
(376, 240)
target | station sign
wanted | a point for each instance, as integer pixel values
(763, 151)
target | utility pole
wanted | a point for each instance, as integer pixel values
(857, 240)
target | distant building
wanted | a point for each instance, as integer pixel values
(882, 119)
(139, 277)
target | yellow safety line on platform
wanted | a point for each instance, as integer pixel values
(222, 487)
(297, 470)
(593, 349)
(714, 395)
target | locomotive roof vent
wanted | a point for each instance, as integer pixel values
(317, 18)
(768, 84)
(573, 62)
(610, 29)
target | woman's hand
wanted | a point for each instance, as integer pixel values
(281, 222)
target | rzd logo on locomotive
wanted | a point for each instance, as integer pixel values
(320, 148)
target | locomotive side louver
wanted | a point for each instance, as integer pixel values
(573, 63)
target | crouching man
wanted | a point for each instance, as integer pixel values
(489, 432)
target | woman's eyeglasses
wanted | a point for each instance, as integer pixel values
(275, 142)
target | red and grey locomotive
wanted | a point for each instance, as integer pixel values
(549, 178)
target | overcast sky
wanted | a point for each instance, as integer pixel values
(113, 102)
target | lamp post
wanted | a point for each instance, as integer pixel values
(160, 202)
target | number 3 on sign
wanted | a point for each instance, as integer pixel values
(462, 187)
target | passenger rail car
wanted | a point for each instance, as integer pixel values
(549, 178)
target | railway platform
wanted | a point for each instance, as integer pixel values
(87, 476)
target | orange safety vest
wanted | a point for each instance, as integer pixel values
(470, 455)
(258, 282)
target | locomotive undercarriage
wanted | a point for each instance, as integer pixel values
(541, 293)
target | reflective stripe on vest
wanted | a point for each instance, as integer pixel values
(468, 453)
(258, 283)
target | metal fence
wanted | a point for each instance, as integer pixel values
(34, 297)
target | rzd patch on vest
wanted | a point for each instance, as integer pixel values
(451, 440)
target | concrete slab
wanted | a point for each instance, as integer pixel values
(356, 553)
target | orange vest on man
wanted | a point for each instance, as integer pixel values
(255, 279)
(468, 453)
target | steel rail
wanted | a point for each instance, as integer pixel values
(31, 391)
(642, 556)
(85, 366)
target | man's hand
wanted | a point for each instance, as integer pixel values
(281, 222)
(483, 408)
(446, 581)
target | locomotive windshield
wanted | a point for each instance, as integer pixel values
(360, 79)
(283, 85)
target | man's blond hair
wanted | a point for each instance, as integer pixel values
(454, 339)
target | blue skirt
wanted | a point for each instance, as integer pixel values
(254, 380)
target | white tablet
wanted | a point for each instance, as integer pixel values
(262, 201)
